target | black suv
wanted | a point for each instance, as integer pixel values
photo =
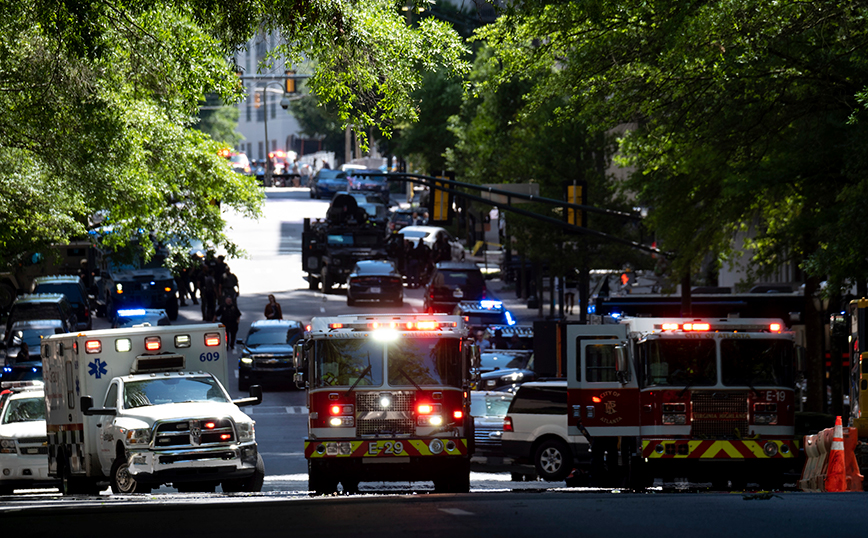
(483, 314)
(268, 351)
(73, 288)
(38, 306)
(453, 282)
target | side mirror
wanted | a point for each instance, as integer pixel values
(89, 410)
(254, 399)
(621, 365)
(299, 361)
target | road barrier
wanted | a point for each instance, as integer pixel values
(830, 461)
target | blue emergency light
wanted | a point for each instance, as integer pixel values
(132, 312)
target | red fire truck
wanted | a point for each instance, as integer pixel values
(388, 399)
(709, 400)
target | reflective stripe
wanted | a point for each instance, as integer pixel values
(688, 449)
(837, 445)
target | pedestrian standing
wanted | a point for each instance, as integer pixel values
(412, 265)
(272, 309)
(229, 316)
(208, 289)
(229, 285)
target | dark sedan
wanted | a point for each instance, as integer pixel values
(131, 317)
(326, 182)
(268, 351)
(375, 280)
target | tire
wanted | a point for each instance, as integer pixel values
(326, 280)
(553, 460)
(351, 302)
(7, 296)
(122, 482)
(172, 308)
(455, 481)
(320, 481)
(350, 487)
(311, 194)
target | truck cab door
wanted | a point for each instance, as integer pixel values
(602, 399)
(106, 442)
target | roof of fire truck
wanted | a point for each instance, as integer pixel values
(698, 325)
(366, 324)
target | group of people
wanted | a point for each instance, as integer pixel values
(498, 341)
(416, 262)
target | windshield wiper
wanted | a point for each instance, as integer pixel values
(363, 374)
(410, 379)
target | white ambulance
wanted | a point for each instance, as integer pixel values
(162, 414)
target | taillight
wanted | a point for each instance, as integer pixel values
(507, 424)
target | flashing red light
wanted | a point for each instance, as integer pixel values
(425, 409)
(775, 327)
(212, 340)
(458, 414)
(670, 326)
(152, 343)
(336, 325)
(596, 399)
(93, 346)
(307, 328)
(696, 326)
(225, 436)
(427, 325)
(210, 425)
(335, 410)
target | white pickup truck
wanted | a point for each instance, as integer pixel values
(163, 415)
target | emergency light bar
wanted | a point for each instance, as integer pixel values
(131, 312)
(704, 327)
(423, 325)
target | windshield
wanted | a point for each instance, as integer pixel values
(413, 234)
(460, 278)
(32, 337)
(171, 390)
(353, 240)
(259, 336)
(24, 410)
(342, 362)
(72, 291)
(425, 361)
(756, 362)
(486, 319)
(33, 311)
(680, 362)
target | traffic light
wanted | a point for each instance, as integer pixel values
(290, 81)
(257, 99)
(440, 202)
(576, 192)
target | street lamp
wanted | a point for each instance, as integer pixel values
(265, 117)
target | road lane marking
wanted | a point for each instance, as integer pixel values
(456, 511)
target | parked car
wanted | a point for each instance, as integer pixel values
(375, 184)
(268, 351)
(131, 317)
(535, 431)
(327, 182)
(488, 409)
(24, 440)
(375, 280)
(39, 306)
(430, 235)
(74, 290)
(240, 163)
(518, 370)
(451, 283)
(398, 219)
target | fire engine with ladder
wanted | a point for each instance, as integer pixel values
(707, 400)
(388, 398)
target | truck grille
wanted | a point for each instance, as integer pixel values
(271, 363)
(719, 415)
(482, 436)
(33, 445)
(198, 432)
(373, 419)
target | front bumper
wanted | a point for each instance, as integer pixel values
(194, 464)
(24, 471)
(753, 449)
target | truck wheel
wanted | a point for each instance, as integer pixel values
(320, 481)
(7, 296)
(326, 280)
(257, 479)
(350, 301)
(553, 461)
(172, 308)
(312, 282)
(455, 481)
(122, 481)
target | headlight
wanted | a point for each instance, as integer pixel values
(246, 360)
(7, 446)
(246, 431)
(139, 436)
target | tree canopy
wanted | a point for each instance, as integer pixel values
(100, 99)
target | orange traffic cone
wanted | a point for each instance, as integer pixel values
(836, 477)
